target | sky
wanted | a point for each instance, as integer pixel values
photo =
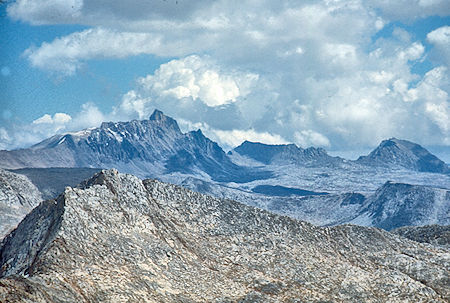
(337, 74)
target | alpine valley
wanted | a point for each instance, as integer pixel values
(261, 223)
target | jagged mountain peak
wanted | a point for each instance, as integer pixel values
(403, 153)
(158, 117)
(146, 148)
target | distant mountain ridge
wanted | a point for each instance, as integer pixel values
(157, 146)
(395, 205)
(284, 153)
(405, 154)
(147, 148)
(306, 184)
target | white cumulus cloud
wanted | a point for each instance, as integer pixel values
(308, 72)
(57, 119)
(440, 38)
(198, 78)
(235, 137)
(306, 138)
(66, 54)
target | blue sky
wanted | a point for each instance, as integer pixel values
(338, 74)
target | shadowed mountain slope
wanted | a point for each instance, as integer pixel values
(284, 154)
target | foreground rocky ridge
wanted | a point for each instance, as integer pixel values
(432, 234)
(120, 239)
(18, 196)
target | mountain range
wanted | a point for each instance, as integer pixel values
(146, 148)
(306, 184)
(239, 235)
(117, 238)
(157, 146)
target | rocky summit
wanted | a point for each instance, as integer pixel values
(117, 238)
(403, 153)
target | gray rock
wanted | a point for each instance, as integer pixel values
(119, 239)
(432, 234)
(18, 196)
(396, 204)
(395, 152)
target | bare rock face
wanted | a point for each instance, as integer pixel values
(395, 204)
(18, 196)
(432, 234)
(119, 239)
(395, 152)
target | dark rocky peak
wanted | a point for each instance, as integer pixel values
(159, 118)
(106, 125)
(158, 115)
(267, 153)
(282, 153)
(403, 153)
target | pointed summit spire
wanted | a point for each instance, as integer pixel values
(158, 115)
(161, 119)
